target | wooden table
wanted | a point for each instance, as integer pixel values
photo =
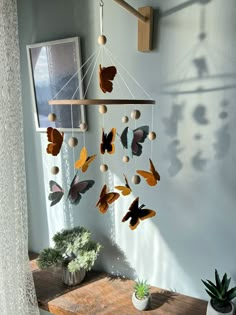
(101, 294)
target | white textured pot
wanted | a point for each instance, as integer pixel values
(72, 278)
(212, 311)
(141, 305)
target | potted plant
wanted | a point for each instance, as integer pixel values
(220, 295)
(141, 295)
(74, 251)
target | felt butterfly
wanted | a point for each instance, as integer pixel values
(131, 139)
(56, 138)
(77, 188)
(137, 213)
(106, 198)
(56, 193)
(84, 160)
(106, 75)
(107, 141)
(125, 190)
(151, 177)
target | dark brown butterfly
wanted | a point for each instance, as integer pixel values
(56, 138)
(107, 142)
(105, 199)
(137, 213)
(106, 75)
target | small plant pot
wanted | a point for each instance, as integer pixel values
(72, 278)
(141, 305)
(212, 311)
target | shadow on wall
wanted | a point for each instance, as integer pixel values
(200, 107)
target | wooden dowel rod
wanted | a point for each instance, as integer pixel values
(131, 10)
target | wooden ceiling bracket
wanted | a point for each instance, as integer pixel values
(145, 24)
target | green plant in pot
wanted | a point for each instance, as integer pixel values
(221, 296)
(141, 295)
(74, 251)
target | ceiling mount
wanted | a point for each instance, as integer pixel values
(145, 24)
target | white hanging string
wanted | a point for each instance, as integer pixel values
(101, 17)
(76, 73)
(93, 62)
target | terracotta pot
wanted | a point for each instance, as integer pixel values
(141, 305)
(72, 278)
(212, 311)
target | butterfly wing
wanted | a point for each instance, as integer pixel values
(105, 200)
(150, 179)
(146, 213)
(106, 75)
(89, 160)
(77, 188)
(132, 214)
(107, 142)
(139, 136)
(82, 159)
(55, 194)
(154, 172)
(56, 138)
(125, 190)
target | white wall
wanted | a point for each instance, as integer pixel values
(193, 232)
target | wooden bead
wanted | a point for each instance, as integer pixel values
(73, 142)
(125, 119)
(136, 179)
(102, 109)
(83, 126)
(102, 40)
(55, 170)
(152, 135)
(52, 117)
(103, 168)
(125, 159)
(135, 114)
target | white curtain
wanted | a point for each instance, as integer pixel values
(17, 295)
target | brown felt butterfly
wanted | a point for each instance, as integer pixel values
(106, 75)
(106, 198)
(151, 177)
(84, 160)
(137, 213)
(107, 142)
(56, 139)
(125, 190)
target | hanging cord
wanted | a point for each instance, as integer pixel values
(101, 4)
(130, 75)
(76, 73)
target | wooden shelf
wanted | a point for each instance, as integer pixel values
(105, 295)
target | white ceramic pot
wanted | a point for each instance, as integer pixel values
(212, 311)
(72, 278)
(141, 305)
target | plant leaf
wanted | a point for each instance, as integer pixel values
(231, 294)
(210, 294)
(212, 288)
(218, 282)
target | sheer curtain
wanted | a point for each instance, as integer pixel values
(17, 295)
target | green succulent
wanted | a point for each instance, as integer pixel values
(73, 249)
(141, 289)
(219, 293)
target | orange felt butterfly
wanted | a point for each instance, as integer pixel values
(137, 213)
(107, 140)
(151, 177)
(125, 190)
(106, 199)
(56, 138)
(106, 75)
(84, 160)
